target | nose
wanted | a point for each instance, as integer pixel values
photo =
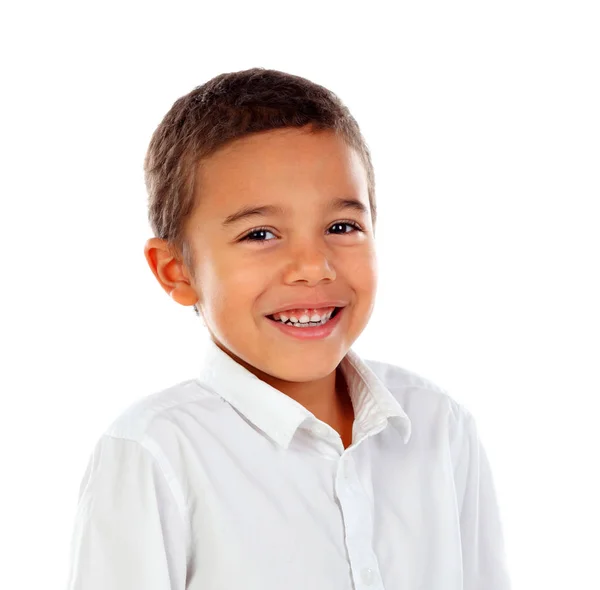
(309, 264)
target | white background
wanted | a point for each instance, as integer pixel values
(483, 121)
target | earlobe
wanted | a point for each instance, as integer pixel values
(183, 294)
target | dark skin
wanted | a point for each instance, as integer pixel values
(345, 420)
(304, 252)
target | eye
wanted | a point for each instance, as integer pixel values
(355, 227)
(259, 230)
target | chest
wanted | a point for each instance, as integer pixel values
(306, 521)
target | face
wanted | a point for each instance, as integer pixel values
(302, 251)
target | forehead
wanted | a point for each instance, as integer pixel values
(288, 165)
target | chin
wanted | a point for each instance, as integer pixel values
(314, 369)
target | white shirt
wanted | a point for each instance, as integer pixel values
(225, 483)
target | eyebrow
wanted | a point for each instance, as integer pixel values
(336, 204)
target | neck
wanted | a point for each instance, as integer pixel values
(328, 398)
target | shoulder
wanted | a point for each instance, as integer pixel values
(153, 410)
(139, 453)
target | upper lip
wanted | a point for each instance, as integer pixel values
(309, 305)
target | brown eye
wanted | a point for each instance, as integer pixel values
(249, 237)
(346, 223)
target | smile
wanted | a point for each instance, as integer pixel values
(309, 330)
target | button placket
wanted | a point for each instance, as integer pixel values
(357, 518)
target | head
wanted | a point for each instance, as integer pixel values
(264, 138)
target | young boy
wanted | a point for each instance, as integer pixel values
(287, 462)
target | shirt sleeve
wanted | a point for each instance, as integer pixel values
(482, 539)
(129, 531)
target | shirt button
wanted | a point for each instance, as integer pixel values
(368, 575)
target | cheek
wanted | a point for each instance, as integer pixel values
(234, 289)
(362, 272)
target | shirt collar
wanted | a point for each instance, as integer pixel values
(279, 416)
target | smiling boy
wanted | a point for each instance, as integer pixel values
(289, 461)
(314, 251)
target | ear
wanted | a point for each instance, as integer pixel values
(170, 272)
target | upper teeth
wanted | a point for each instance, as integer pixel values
(304, 318)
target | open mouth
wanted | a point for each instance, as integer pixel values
(319, 323)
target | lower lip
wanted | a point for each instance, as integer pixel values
(313, 333)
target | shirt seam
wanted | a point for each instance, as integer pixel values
(168, 473)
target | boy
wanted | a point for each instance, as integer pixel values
(288, 462)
